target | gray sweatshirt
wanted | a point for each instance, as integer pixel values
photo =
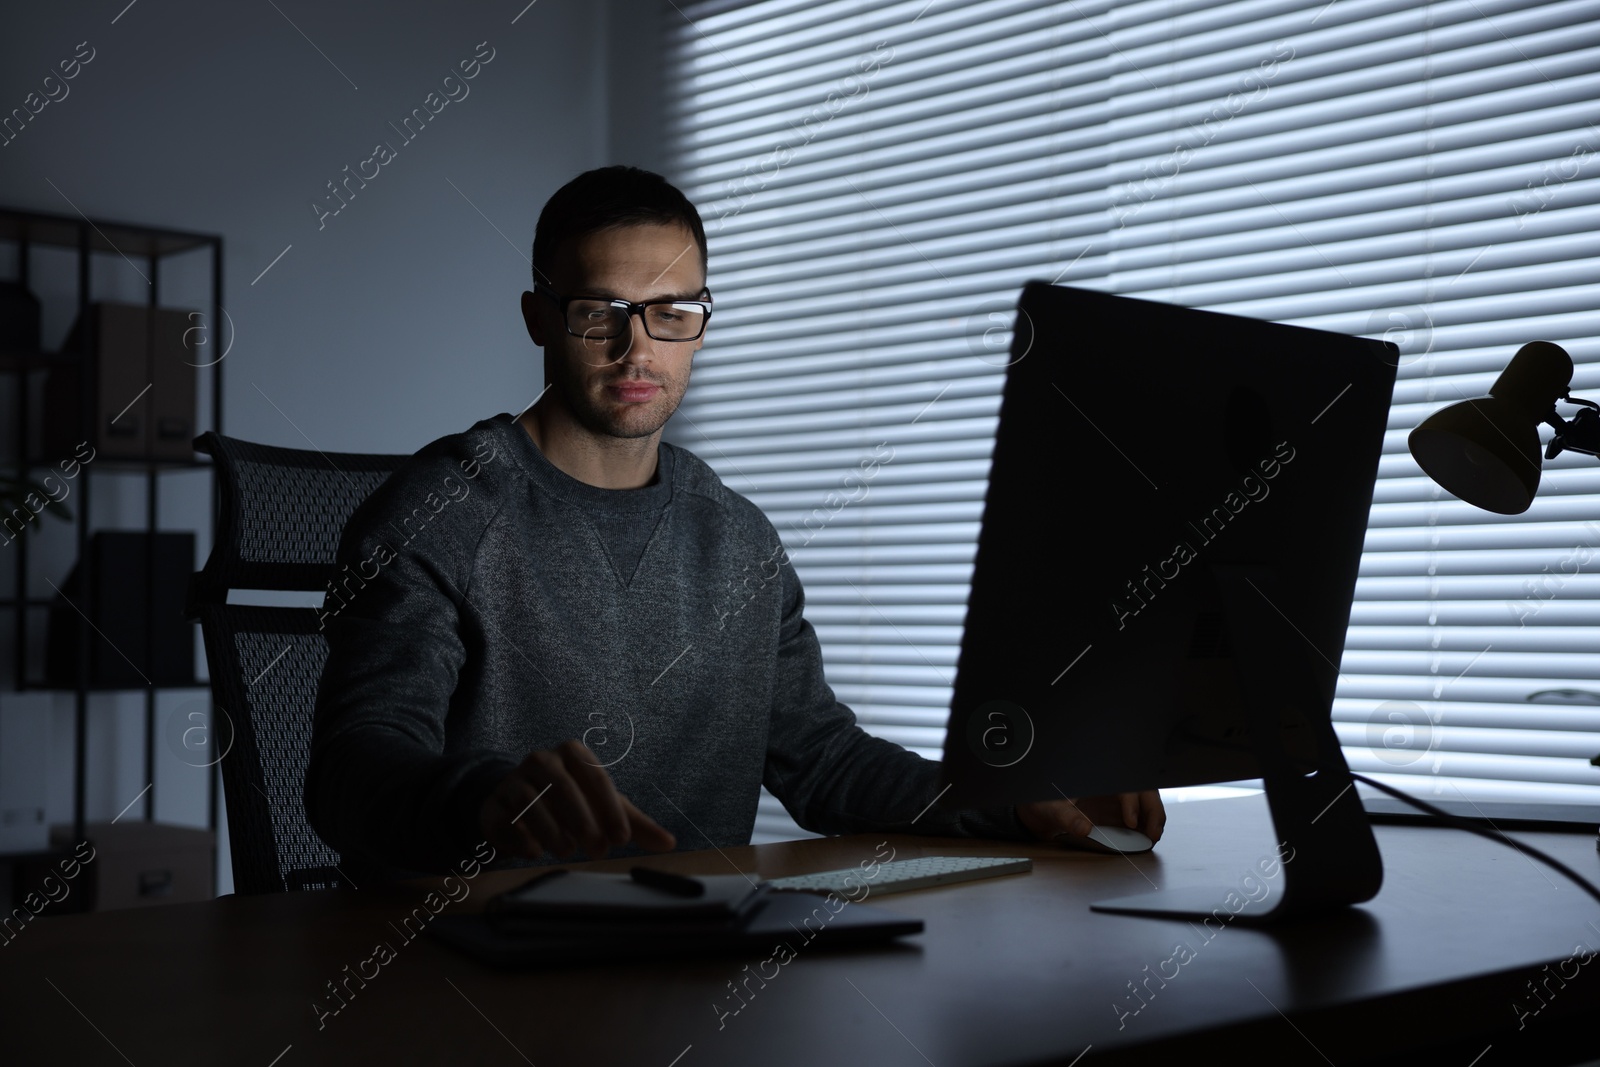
(488, 604)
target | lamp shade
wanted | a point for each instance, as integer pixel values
(1486, 450)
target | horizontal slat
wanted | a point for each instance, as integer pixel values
(1539, 608)
(884, 641)
(890, 555)
(1509, 638)
(1568, 536)
(1434, 788)
(1472, 765)
(882, 533)
(1531, 718)
(886, 596)
(948, 614)
(1485, 663)
(1502, 560)
(1422, 687)
(1477, 587)
(1411, 744)
(933, 426)
(1444, 510)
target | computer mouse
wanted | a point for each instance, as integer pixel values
(1108, 839)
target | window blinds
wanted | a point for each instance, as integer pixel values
(878, 181)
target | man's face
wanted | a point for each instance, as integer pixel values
(626, 386)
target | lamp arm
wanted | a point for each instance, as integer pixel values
(1581, 433)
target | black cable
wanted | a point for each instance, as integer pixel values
(1489, 832)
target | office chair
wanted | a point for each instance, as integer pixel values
(280, 514)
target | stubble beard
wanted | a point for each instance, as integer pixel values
(629, 423)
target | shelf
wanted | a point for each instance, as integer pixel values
(121, 466)
(45, 855)
(62, 231)
(23, 362)
(29, 686)
(79, 235)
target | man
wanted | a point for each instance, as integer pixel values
(558, 633)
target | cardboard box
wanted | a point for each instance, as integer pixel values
(25, 730)
(137, 864)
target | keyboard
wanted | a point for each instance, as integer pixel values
(896, 876)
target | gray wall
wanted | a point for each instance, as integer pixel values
(380, 328)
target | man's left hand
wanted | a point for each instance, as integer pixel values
(1137, 811)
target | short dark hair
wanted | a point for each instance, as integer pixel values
(605, 198)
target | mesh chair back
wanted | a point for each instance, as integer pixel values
(281, 511)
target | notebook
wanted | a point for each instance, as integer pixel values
(585, 896)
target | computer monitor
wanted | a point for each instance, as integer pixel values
(1171, 535)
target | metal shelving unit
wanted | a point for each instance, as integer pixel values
(28, 229)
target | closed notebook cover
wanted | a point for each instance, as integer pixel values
(570, 895)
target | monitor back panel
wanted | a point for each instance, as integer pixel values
(1141, 447)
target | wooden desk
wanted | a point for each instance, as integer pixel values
(1012, 970)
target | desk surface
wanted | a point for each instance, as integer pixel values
(1012, 970)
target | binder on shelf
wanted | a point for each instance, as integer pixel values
(19, 320)
(124, 650)
(143, 378)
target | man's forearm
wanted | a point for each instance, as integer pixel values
(395, 805)
(858, 783)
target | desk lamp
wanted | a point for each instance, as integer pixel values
(1486, 451)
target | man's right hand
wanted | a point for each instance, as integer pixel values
(562, 800)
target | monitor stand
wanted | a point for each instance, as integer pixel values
(1329, 858)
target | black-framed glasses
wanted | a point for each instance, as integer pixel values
(598, 319)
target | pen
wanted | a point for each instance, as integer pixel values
(676, 884)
